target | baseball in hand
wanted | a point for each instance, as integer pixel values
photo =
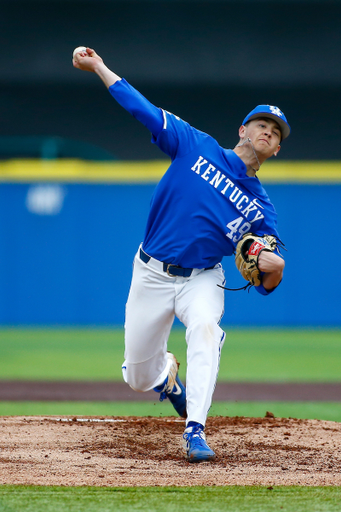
(79, 49)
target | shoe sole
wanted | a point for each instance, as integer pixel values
(201, 458)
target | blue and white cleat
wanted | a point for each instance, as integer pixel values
(194, 445)
(173, 388)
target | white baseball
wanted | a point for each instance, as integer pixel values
(78, 50)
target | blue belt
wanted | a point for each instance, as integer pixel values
(170, 268)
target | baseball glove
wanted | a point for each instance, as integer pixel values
(247, 253)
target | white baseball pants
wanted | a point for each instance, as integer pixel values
(155, 298)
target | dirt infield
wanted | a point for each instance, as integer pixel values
(146, 451)
(119, 391)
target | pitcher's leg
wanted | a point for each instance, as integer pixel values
(149, 318)
(200, 307)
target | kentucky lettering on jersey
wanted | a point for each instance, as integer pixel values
(234, 196)
(215, 201)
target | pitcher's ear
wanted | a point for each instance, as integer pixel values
(277, 151)
(241, 131)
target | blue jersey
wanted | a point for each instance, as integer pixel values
(205, 202)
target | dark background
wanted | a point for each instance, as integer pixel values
(210, 62)
(65, 257)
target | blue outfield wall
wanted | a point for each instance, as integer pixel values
(66, 254)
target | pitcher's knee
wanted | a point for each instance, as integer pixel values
(136, 377)
(206, 329)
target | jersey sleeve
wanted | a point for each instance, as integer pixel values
(138, 106)
(177, 138)
(171, 134)
(268, 226)
(263, 291)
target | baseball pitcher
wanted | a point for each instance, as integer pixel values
(209, 204)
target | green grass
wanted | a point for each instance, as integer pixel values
(97, 354)
(75, 354)
(330, 411)
(170, 499)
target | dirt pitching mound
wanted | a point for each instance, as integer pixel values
(131, 451)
